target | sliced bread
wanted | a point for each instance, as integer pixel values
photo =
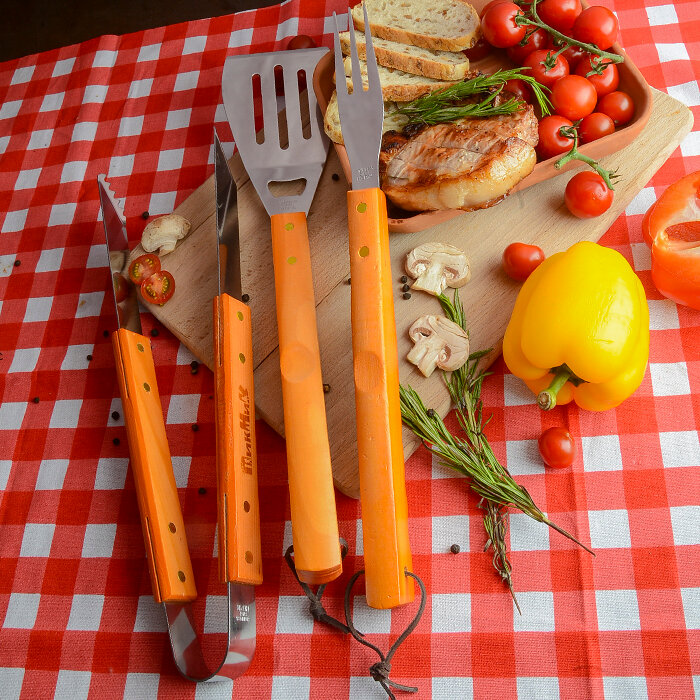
(441, 65)
(398, 86)
(440, 25)
(331, 121)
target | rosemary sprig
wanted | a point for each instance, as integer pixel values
(448, 104)
(571, 132)
(472, 455)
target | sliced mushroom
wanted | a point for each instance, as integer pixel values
(162, 234)
(438, 343)
(436, 265)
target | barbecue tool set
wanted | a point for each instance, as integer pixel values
(291, 147)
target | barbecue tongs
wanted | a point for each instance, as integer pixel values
(161, 518)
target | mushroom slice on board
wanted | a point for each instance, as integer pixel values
(162, 234)
(439, 342)
(437, 265)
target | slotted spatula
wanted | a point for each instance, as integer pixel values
(312, 500)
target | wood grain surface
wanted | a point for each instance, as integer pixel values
(535, 215)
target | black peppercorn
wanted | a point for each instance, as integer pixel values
(335, 177)
(404, 279)
(195, 427)
(154, 332)
(349, 280)
(405, 288)
(245, 298)
(455, 549)
(35, 399)
(115, 441)
(326, 388)
(18, 263)
(407, 295)
(145, 215)
(431, 413)
(202, 490)
(115, 415)
(105, 334)
(89, 358)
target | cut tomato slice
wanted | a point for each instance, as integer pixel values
(158, 288)
(143, 267)
(121, 287)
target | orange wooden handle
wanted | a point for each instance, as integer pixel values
(161, 518)
(240, 559)
(375, 359)
(311, 496)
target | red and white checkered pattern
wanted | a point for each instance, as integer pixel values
(76, 613)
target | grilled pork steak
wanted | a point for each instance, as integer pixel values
(468, 164)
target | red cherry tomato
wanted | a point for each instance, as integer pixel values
(587, 195)
(596, 25)
(557, 448)
(537, 40)
(480, 50)
(491, 4)
(551, 142)
(158, 288)
(573, 97)
(605, 82)
(499, 27)
(559, 14)
(618, 106)
(595, 126)
(519, 88)
(301, 42)
(545, 68)
(520, 259)
(143, 267)
(121, 287)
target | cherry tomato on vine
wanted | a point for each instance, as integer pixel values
(596, 25)
(480, 50)
(301, 42)
(559, 14)
(537, 40)
(595, 126)
(499, 27)
(520, 260)
(545, 68)
(143, 267)
(587, 195)
(605, 82)
(557, 447)
(573, 54)
(121, 288)
(573, 97)
(519, 88)
(158, 288)
(618, 106)
(491, 4)
(551, 142)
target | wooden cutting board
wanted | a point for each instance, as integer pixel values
(535, 215)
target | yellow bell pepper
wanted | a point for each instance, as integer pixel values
(580, 329)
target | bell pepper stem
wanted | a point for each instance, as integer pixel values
(547, 399)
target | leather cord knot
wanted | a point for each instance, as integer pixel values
(380, 671)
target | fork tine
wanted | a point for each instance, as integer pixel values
(357, 85)
(339, 67)
(370, 58)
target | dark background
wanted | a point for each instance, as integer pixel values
(30, 26)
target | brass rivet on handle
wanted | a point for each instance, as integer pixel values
(240, 316)
(249, 557)
(139, 347)
(171, 527)
(289, 226)
(246, 506)
(364, 251)
(181, 576)
(362, 207)
(146, 386)
(241, 357)
(291, 259)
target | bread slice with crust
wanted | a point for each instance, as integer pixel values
(397, 85)
(440, 65)
(440, 25)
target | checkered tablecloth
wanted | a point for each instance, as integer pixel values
(76, 613)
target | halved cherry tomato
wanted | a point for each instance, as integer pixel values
(557, 447)
(545, 68)
(158, 288)
(596, 25)
(573, 97)
(587, 195)
(121, 288)
(520, 259)
(536, 40)
(618, 106)
(595, 126)
(559, 14)
(519, 88)
(604, 82)
(143, 267)
(480, 50)
(301, 42)
(551, 142)
(499, 27)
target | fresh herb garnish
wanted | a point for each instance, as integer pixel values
(472, 455)
(448, 104)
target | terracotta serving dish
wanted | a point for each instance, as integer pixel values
(631, 82)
